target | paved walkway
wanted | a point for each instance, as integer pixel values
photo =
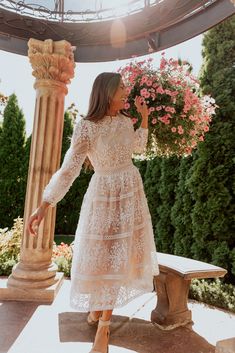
(56, 328)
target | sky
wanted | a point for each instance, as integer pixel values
(16, 76)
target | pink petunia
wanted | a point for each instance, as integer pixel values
(149, 83)
(134, 120)
(147, 95)
(159, 108)
(160, 90)
(144, 79)
(168, 109)
(206, 128)
(143, 91)
(154, 121)
(173, 129)
(127, 106)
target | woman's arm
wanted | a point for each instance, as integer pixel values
(63, 178)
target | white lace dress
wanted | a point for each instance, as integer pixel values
(114, 252)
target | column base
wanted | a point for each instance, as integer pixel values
(42, 295)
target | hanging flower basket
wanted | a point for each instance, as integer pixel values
(178, 116)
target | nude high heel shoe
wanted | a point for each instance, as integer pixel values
(103, 329)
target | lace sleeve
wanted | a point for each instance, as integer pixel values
(140, 140)
(62, 180)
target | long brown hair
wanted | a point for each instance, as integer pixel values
(103, 90)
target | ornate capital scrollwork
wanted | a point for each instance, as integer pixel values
(53, 60)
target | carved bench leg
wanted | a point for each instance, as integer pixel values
(172, 300)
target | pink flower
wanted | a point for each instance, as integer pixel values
(163, 64)
(173, 129)
(201, 138)
(160, 90)
(168, 109)
(168, 92)
(127, 106)
(149, 83)
(206, 128)
(134, 120)
(147, 95)
(154, 121)
(143, 91)
(151, 109)
(180, 130)
(192, 132)
(159, 108)
(144, 79)
(188, 150)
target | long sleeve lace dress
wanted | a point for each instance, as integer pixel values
(114, 256)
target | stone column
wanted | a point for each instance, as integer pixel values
(35, 277)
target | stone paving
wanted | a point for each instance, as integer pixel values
(56, 328)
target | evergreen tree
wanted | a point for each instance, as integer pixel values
(167, 187)
(181, 212)
(212, 179)
(12, 141)
(151, 186)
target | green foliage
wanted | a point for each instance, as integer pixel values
(181, 212)
(10, 246)
(213, 292)
(141, 164)
(212, 177)
(167, 187)
(12, 141)
(151, 186)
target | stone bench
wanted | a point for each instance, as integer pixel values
(172, 288)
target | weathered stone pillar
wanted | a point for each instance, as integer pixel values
(35, 277)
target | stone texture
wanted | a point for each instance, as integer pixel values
(226, 346)
(53, 67)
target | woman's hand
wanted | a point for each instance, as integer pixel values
(141, 107)
(143, 110)
(36, 218)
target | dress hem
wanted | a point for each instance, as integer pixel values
(109, 307)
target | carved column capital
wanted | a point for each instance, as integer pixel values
(51, 60)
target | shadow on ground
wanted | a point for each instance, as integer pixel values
(14, 316)
(138, 335)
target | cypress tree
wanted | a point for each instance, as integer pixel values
(212, 179)
(151, 186)
(12, 141)
(181, 211)
(167, 188)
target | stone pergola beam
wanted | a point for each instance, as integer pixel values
(156, 28)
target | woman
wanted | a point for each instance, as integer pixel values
(114, 251)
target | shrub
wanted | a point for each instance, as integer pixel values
(10, 246)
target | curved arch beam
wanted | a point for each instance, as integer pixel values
(168, 30)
